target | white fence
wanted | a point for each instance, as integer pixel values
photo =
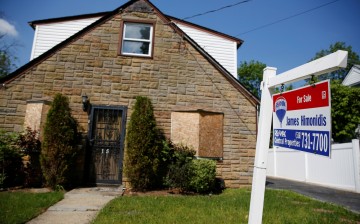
(341, 171)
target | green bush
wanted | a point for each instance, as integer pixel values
(143, 164)
(179, 168)
(11, 166)
(189, 174)
(59, 149)
(203, 175)
(30, 146)
(345, 116)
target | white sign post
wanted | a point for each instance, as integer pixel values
(320, 66)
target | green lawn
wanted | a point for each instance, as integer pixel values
(230, 207)
(19, 207)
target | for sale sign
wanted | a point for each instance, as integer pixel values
(302, 119)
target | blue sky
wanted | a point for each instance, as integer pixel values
(284, 45)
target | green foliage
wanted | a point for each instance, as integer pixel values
(250, 74)
(144, 162)
(30, 146)
(10, 160)
(189, 174)
(7, 58)
(353, 58)
(203, 174)
(345, 112)
(29, 142)
(179, 172)
(59, 144)
(5, 63)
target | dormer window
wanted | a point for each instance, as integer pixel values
(137, 39)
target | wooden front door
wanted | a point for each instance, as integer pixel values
(106, 136)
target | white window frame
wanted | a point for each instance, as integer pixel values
(150, 41)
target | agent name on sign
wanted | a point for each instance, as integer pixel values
(317, 120)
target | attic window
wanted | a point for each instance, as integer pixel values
(137, 39)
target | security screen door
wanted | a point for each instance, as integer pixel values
(106, 135)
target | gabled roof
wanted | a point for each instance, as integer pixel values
(109, 15)
(353, 77)
(66, 18)
(172, 18)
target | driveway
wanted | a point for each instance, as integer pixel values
(349, 200)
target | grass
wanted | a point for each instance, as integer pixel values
(19, 207)
(230, 207)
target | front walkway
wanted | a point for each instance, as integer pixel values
(347, 199)
(79, 206)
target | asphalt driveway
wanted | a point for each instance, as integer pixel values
(349, 200)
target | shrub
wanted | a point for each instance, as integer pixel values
(179, 172)
(30, 145)
(189, 174)
(58, 150)
(10, 160)
(143, 163)
(203, 175)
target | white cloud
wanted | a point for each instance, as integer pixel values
(7, 28)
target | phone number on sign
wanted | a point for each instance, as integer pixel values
(310, 141)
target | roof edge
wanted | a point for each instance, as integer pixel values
(48, 53)
(66, 18)
(238, 41)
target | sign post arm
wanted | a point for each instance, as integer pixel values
(262, 148)
(329, 63)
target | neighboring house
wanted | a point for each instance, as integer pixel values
(187, 71)
(353, 77)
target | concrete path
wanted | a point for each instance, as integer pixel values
(79, 206)
(349, 200)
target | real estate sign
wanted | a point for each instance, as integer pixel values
(302, 119)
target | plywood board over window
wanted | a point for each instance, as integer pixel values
(36, 111)
(200, 130)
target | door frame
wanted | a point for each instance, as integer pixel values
(123, 110)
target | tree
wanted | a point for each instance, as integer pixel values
(143, 164)
(8, 46)
(250, 74)
(353, 58)
(58, 149)
(7, 58)
(345, 107)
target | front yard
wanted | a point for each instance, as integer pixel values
(20, 207)
(230, 207)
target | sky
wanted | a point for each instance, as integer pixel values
(280, 33)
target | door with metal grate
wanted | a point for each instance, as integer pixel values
(106, 135)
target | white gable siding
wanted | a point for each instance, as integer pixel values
(50, 34)
(353, 77)
(222, 50)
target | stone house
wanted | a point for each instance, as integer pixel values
(108, 59)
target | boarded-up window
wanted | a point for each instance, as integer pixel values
(36, 111)
(201, 130)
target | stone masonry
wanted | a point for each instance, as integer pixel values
(176, 78)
